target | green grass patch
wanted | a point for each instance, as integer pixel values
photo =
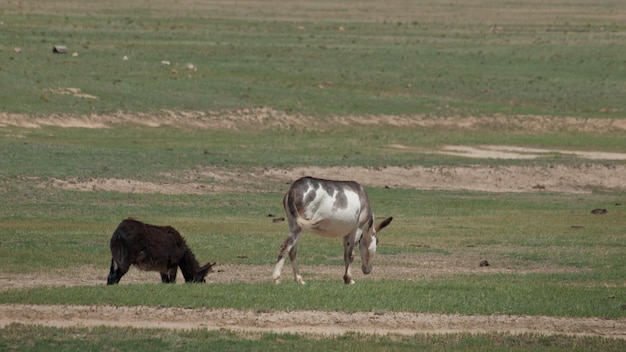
(394, 58)
(39, 338)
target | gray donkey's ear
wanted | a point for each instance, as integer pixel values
(383, 224)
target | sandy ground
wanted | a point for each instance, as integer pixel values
(267, 118)
(554, 178)
(306, 322)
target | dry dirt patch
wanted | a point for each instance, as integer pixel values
(268, 118)
(513, 152)
(306, 322)
(555, 178)
(75, 92)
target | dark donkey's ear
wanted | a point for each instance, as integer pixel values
(383, 224)
(204, 271)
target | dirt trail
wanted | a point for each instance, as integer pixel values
(553, 178)
(268, 118)
(305, 322)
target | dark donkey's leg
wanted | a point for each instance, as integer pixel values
(170, 276)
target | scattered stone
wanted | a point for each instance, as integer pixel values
(496, 29)
(484, 263)
(599, 211)
(59, 49)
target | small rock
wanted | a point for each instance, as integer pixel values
(59, 49)
(484, 263)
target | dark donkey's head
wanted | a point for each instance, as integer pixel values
(153, 248)
(191, 269)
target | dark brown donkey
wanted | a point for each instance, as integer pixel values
(153, 248)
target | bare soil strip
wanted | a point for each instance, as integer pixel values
(531, 178)
(268, 118)
(305, 322)
(512, 152)
(555, 178)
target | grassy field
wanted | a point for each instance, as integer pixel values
(76, 339)
(311, 63)
(316, 57)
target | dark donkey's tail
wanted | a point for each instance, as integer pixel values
(119, 257)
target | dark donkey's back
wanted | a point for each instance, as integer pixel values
(153, 248)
